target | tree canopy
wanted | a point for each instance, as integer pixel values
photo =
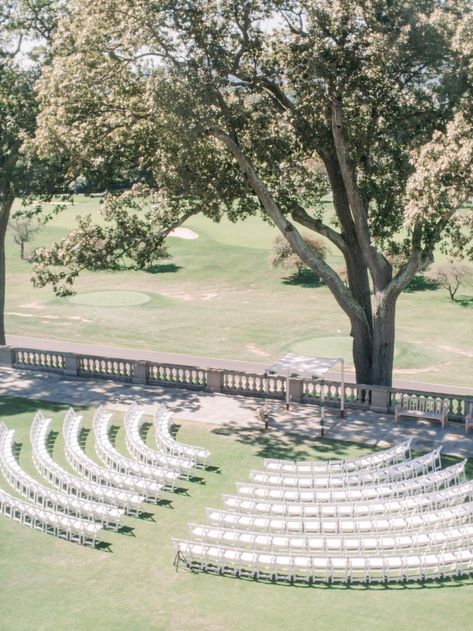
(23, 174)
(265, 106)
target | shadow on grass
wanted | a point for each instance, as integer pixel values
(10, 406)
(197, 480)
(84, 432)
(146, 516)
(143, 431)
(164, 268)
(112, 433)
(375, 586)
(126, 530)
(16, 448)
(305, 278)
(51, 441)
(214, 469)
(181, 490)
(174, 429)
(421, 283)
(287, 446)
(164, 503)
(464, 301)
(103, 546)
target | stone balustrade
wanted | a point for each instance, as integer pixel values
(377, 398)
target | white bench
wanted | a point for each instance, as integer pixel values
(432, 409)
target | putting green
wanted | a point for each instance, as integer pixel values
(331, 346)
(111, 298)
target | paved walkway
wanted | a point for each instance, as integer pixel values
(236, 412)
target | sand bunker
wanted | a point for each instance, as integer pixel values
(184, 233)
(32, 305)
(252, 348)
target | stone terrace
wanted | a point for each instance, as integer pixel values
(236, 412)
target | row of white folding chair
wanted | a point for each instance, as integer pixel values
(113, 459)
(409, 469)
(421, 484)
(376, 460)
(129, 501)
(143, 453)
(30, 488)
(449, 496)
(110, 456)
(418, 541)
(166, 442)
(85, 466)
(44, 520)
(385, 568)
(145, 488)
(440, 518)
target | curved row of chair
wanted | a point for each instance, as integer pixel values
(406, 520)
(327, 568)
(129, 501)
(442, 518)
(401, 471)
(57, 524)
(114, 460)
(376, 460)
(421, 484)
(449, 496)
(447, 516)
(168, 444)
(416, 541)
(74, 507)
(146, 489)
(28, 487)
(141, 452)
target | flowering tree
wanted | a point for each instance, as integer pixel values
(451, 276)
(23, 230)
(130, 237)
(284, 256)
(264, 106)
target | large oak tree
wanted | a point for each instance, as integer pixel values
(265, 106)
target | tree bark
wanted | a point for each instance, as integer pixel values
(362, 345)
(357, 270)
(5, 208)
(384, 330)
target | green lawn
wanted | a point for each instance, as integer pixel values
(51, 585)
(218, 296)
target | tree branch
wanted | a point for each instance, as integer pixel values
(341, 293)
(379, 267)
(301, 216)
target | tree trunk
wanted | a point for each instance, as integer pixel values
(357, 270)
(5, 208)
(362, 353)
(372, 325)
(383, 341)
(22, 250)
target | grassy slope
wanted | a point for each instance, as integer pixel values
(223, 300)
(52, 585)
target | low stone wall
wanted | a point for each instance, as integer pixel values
(376, 398)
